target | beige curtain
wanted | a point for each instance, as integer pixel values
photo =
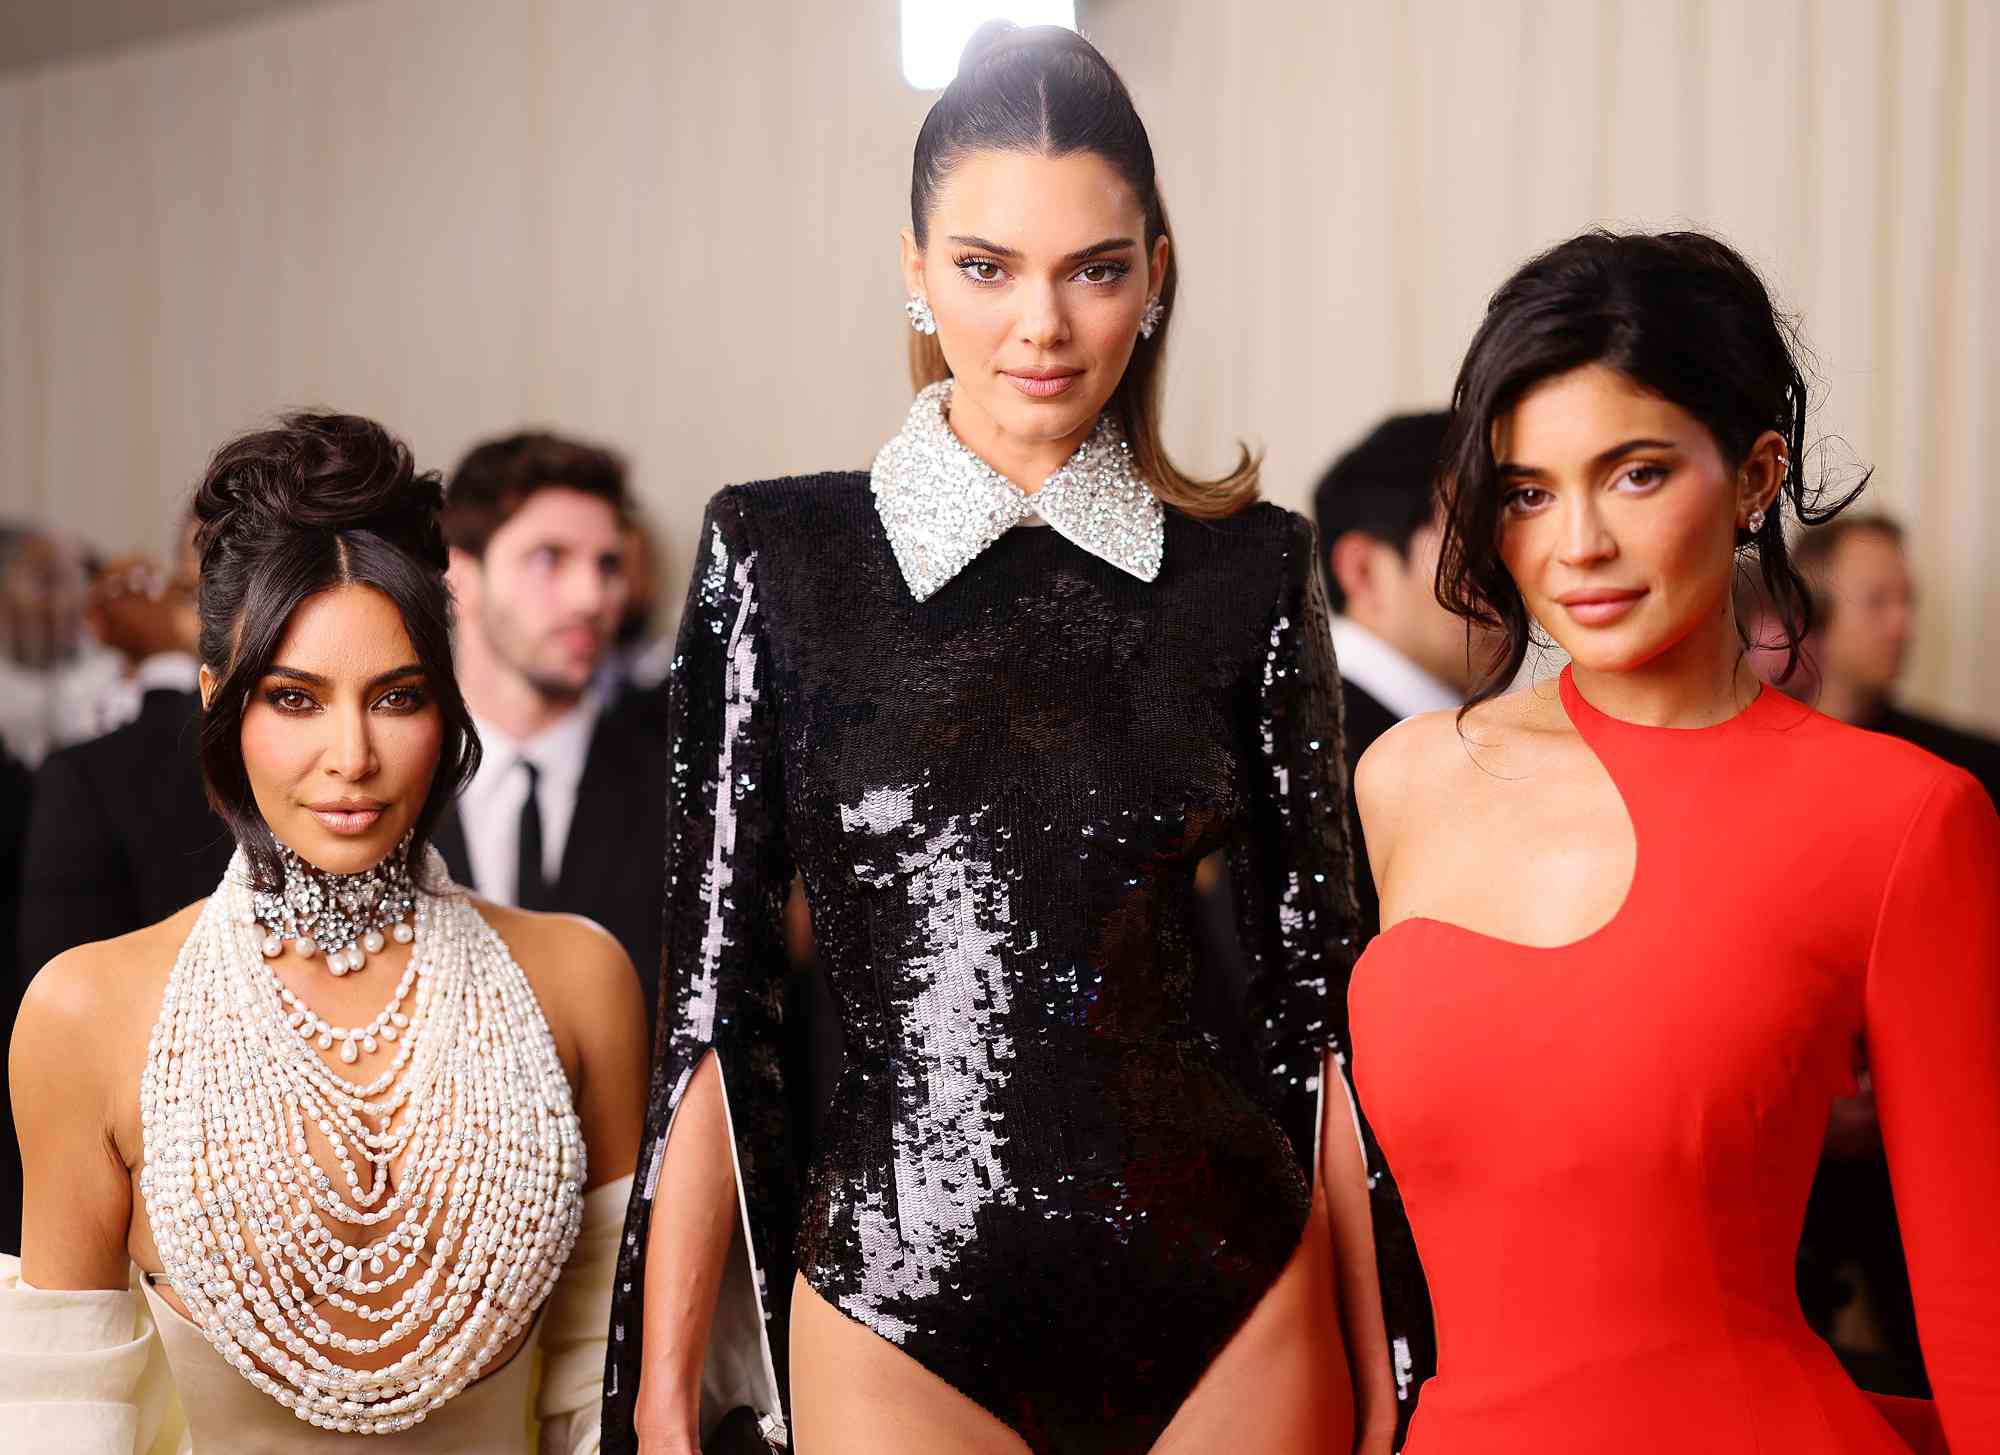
(673, 227)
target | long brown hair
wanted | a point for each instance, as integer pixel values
(1048, 90)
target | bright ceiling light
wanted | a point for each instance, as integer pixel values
(935, 31)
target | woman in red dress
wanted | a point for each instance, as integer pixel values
(1643, 924)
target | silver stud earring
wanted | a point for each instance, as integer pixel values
(921, 317)
(1149, 321)
(1756, 522)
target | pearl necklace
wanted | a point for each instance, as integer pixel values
(252, 1229)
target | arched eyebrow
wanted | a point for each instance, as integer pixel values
(1081, 255)
(313, 679)
(1601, 460)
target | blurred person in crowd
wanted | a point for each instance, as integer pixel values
(995, 699)
(1637, 921)
(51, 671)
(1865, 601)
(1400, 651)
(146, 617)
(121, 834)
(15, 784)
(566, 810)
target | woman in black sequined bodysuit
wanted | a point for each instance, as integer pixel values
(994, 701)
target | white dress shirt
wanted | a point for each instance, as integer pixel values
(1386, 675)
(489, 809)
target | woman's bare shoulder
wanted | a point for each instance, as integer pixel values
(108, 982)
(84, 1022)
(577, 969)
(1435, 757)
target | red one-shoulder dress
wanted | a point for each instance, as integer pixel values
(1605, 1147)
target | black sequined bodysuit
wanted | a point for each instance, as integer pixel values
(1066, 1157)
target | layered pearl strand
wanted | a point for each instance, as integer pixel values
(253, 1231)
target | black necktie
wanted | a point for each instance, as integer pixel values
(529, 890)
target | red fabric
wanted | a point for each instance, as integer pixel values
(1915, 1420)
(1605, 1147)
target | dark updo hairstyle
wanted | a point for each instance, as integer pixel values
(1681, 315)
(1045, 90)
(322, 500)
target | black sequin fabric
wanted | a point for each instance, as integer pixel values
(1067, 1154)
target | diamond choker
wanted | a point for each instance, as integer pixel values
(345, 915)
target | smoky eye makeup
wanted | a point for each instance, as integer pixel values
(289, 699)
(404, 697)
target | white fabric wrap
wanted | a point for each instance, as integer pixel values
(82, 1372)
(576, 1323)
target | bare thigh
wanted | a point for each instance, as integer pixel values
(1280, 1386)
(855, 1393)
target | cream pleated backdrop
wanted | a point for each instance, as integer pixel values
(673, 226)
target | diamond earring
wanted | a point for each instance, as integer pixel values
(1756, 522)
(921, 317)
(1149, 321)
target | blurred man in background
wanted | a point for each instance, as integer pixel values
(49, 666)
(120, 834)
(567, 811)
(1400, 652)
(1866, 603)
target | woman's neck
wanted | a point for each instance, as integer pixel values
(1026, 464)
(1703, 679)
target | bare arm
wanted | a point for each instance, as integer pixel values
(77, 1209)
(1386, 793)
(1344, 1179)
(685, 1249)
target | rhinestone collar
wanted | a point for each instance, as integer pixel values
(942, 505)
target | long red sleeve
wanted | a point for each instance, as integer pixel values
(1933, 1028)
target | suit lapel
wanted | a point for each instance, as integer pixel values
(449, 837)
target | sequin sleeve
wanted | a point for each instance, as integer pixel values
(721, 976)
(1933, 1020)
(1291, 866)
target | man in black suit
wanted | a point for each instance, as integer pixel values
(120, 834)
(1866, 605)
(1400, 651)
(567, 811)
